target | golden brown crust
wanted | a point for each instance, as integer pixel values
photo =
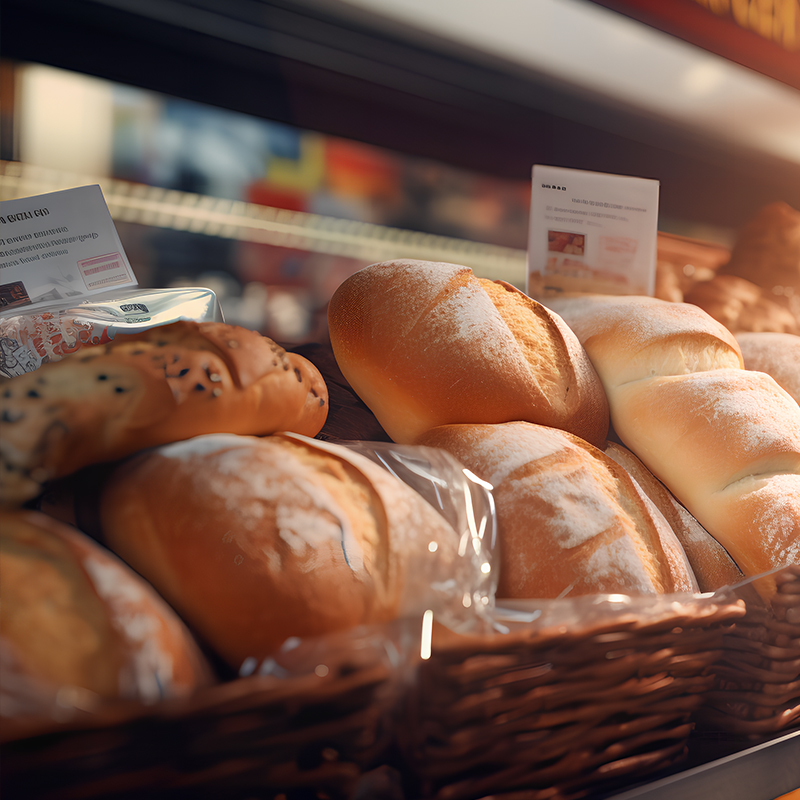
(741, 305)
(138, 391)
(74, 616)
(256, 540)
(712, 565)
(583, 408)
(427, 344)
(570, 520)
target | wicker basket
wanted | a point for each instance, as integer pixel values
(596, 691)
(578, 695)
(315, 733)
(757, 679)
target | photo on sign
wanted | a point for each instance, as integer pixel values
(566, 242)
(14, 294)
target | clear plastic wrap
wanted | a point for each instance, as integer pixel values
(466, 502)
(448, 571)
(40, 334)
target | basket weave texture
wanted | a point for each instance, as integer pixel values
(575, 700)
(308, 735)
(757, 684)
(566, 707)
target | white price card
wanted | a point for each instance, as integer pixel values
(591, 232)
(59, 245)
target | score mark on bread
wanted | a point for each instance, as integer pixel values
(165, 384)
(274, 537)
(571, 521)
(427, 343)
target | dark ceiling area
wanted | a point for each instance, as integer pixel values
(313, 66)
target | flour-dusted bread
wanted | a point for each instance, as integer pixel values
(75, 618)
(711, 563)
(427, 344)
(723, 439)
(259, 539)
(777, 354)
(570, 520)
(165, 384)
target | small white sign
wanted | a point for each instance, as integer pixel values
(591, 232)
(59, 245)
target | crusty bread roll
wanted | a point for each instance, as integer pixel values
(681, 262)
(724, 440)
(76, 618)
(427, 344)
(777, 354)
(711, 563)
(149, 388)
(349, 417)
(767, 250)
(741, 305)
(255, 540)
(570, 520)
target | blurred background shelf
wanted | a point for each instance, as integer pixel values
(388, 128)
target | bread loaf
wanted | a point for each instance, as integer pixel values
(711, 563)
(349, 418)
(777, 354)
(76, 618)
(724, 440)
(427, 344)
(145, 389)
(255, 540)
(741, 305)
(570, 520)
(767, 250)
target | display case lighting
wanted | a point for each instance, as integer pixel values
(249, 222)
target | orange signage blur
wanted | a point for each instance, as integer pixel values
(763, 35)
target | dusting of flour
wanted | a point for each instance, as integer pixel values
(249, 476)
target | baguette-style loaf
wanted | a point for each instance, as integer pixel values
(258, 539)
(570, 520)
(427, 344)
(777, 354)
(724, 440)
(141, 390)
(76, 618)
